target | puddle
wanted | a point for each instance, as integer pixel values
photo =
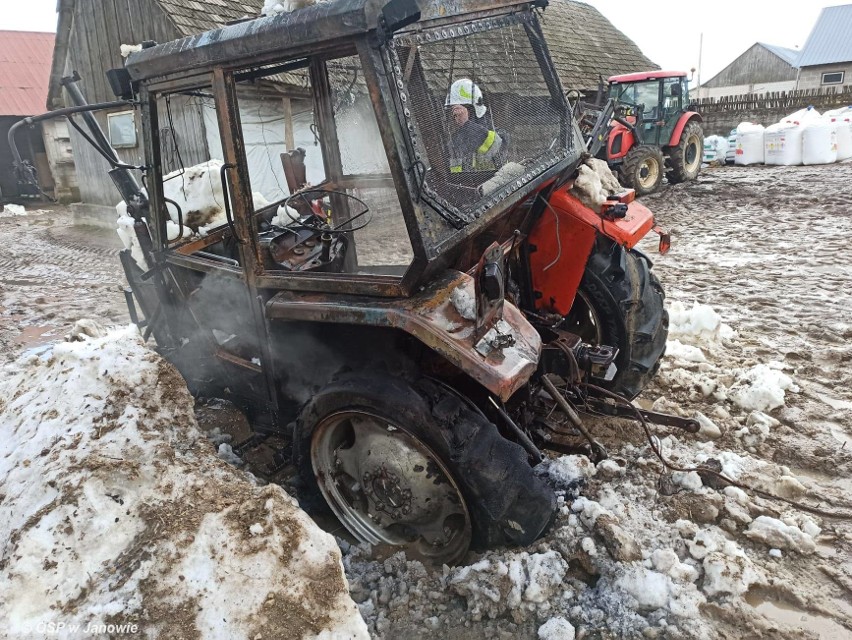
(823, 394)
(841, 436)
(792, 616)
(832, 481)
(37, 339)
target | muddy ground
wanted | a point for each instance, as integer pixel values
(763, 246)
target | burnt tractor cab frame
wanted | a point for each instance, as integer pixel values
(414, 397)
(644, 128)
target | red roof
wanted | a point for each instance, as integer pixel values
(25, 59)
(648, 75)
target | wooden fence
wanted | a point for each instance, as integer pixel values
(724, 113)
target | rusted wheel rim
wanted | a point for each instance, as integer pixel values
(387, 487)
(584, 320)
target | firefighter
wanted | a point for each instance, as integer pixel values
(474, 146)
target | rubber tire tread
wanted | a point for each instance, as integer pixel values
(677, 158)
(508, 503)
(632, 164)
(628, 300)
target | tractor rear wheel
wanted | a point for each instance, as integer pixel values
(417, 467)
(642, 169)
(685, 159)
(620, 304)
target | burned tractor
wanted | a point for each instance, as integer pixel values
(644, 128)
(415, 330)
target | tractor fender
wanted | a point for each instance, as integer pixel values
(685, 118)
(442, 316)
(563, 238)
(620, 141)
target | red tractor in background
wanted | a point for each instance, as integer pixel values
(644, 129)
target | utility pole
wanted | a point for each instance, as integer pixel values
(700, 52)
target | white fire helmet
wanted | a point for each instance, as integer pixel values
(464, 91)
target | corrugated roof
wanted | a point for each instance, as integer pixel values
(25, 58)
(789, 56)
(829, 41)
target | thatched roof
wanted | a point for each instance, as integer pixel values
(584, 44)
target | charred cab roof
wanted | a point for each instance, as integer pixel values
(291, 33)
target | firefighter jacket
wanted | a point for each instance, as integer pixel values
(474, 147)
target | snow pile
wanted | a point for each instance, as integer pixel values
(116, 510)
(696, 333)
(700, 323)
(762, 388)
(513, 583)
(594, 183)
(12, 210)
(779, 535)
(127, 49)
(556, 629)
(567, 472)
(272, 7)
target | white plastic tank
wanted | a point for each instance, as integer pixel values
(819, 142)
(843, 118)
(749, 144)
(783, 141)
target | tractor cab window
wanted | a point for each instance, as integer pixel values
(194, 217)
(673, 90)
(645, 94)
(315, 155)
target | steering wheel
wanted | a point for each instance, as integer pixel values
(309, 197)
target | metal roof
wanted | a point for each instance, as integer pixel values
(25, 58)
(829, 41)
(789, 56)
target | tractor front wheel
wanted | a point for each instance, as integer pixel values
(643, 169)
(685, 158)
(416, 466)
(620, 304)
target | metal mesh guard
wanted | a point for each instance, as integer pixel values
(526, 115)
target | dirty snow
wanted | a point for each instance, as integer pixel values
(116, 510)
(687, 547)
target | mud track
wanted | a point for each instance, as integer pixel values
(763, 246)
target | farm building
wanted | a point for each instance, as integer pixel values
(826, 59)
(24, 72)
(275, 112)
(763, 67)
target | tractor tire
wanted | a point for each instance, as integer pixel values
(416, 466)
(620, 303)
(642, 169)
(684, 160)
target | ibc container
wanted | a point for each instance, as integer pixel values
(749, 144)
(819, 142)
(843, 118)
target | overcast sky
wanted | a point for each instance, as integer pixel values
(667, 31)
